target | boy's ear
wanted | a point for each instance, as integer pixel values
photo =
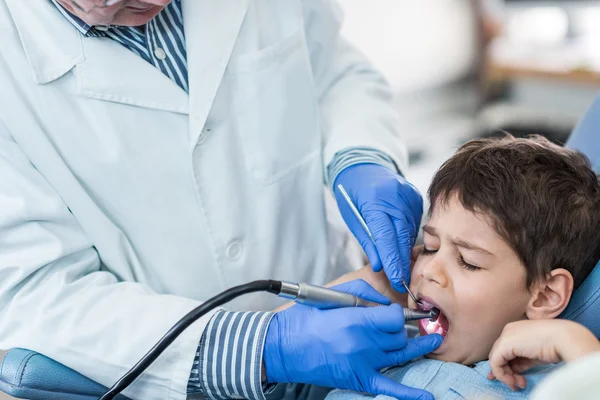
(551, 296)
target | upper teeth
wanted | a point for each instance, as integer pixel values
(425, 306)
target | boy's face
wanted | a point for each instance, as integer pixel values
(473, 276)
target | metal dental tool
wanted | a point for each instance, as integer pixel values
(366, 228)
(413, 315)
(325, 298)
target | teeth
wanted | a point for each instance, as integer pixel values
(425, 306)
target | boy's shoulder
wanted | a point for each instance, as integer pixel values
(446, 380)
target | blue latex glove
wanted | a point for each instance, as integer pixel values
(346, 347)
(392, 209)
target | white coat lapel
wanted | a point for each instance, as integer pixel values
(211, 30)
(105, 69)
(51, 44)
(111, 72)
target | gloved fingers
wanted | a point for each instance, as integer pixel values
(407, 228)
(369, 248)
(415, 348)
(359, 232)
(388, 319)
(384, 234)
(386, 386)
(362, 289)
(393, 341)
(412, 199)
(406, 236)
(372, 254)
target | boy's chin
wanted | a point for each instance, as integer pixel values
(445, 353)
(440, 353)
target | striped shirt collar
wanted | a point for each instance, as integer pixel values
(81, 26)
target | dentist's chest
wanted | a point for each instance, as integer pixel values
(134, 155)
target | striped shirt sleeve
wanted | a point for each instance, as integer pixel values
(357, 155)
(229, 358)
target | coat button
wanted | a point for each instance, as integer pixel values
(160, 54)
(234, 250)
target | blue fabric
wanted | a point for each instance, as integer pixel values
(584, 306)
(28, 375)
(452, 381)
(586, 135)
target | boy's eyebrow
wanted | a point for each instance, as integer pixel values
(470, 246)
(430, 229)
(458, 242)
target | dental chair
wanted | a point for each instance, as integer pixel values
(29, 375)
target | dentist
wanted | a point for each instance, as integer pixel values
(156, 152)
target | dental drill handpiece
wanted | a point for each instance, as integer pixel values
(363, 223)
(324, 298)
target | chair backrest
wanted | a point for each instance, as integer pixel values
(26, 374)
(585, 302)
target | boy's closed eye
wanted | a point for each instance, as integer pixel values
(460, 260)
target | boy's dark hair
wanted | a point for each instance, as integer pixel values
(544, 200)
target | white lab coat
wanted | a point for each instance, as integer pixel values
(124, 201)
(575, 380)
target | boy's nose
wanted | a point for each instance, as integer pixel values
(435, 271)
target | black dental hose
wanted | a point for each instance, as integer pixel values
(270, 286)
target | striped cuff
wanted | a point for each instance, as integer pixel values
(357, 155)
(229, 358)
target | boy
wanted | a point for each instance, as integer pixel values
(512, 232)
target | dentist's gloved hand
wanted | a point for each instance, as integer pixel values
(392, 209)
(346, 347)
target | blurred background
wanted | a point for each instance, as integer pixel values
(469, 68)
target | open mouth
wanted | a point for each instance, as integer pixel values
(439, 325)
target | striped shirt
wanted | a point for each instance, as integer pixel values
(228, 360)
(161, 42)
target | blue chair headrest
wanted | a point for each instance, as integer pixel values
(584, 306)
(586, 135)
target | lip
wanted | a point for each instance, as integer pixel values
(140, 9)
